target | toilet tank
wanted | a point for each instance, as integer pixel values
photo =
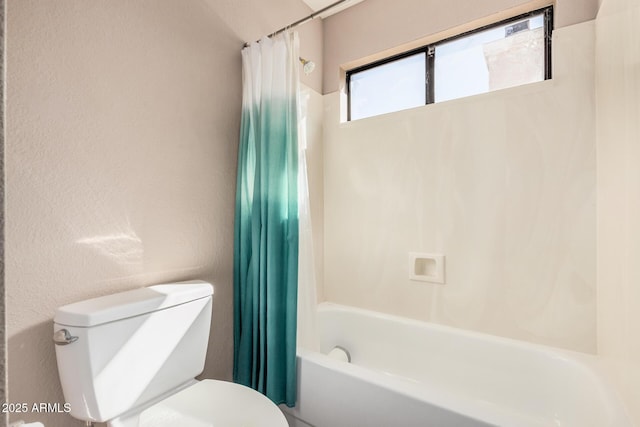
(131, 347)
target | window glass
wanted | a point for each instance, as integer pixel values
(510, 53)
(393, 86)
(504, 56)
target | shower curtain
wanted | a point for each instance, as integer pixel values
(266, 221)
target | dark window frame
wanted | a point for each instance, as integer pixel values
(429, 52)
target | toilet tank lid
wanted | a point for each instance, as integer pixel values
(109, 308)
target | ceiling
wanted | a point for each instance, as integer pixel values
(316, 5)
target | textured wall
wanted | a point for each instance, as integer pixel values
(251, 19)
(502, 184)
(618, 147)
(3, 336)
(122, 122)
(383, 24)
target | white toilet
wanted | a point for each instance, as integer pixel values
(130, 360)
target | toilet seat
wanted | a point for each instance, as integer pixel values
(213, 403)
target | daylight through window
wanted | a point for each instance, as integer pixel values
(510, 53)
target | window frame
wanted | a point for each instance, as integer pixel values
(429, 52)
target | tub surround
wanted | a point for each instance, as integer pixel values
(618, 136)
(502, 184)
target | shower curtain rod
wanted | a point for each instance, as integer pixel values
(306, 19)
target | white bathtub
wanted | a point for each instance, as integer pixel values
(407, 373)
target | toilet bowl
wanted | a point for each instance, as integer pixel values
(130, 360)
(208, 403)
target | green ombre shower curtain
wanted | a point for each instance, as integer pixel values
(266, 221)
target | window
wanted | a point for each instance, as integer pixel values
(388, 87)
(513, 52)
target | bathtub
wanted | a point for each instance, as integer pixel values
(407, 373)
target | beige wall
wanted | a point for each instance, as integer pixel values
(502, 184)
(375, 26)
(618, 147)
(122, 129)
(249, 20)
(3, 335)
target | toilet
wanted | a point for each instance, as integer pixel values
(130, 360)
